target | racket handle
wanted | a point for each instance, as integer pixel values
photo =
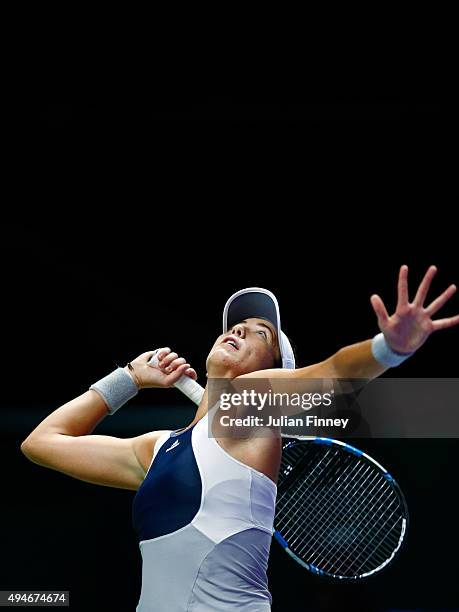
(185, 384)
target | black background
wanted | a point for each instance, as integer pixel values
(136, 217)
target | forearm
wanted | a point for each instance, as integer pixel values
(356, 361)
(78, 417)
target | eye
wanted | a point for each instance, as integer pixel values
(263, 332)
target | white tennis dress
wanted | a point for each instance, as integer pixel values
(204, 522)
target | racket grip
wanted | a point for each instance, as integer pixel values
(185, 384)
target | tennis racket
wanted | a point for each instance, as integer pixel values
(339, 513)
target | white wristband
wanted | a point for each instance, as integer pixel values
(383, 353)
(116, 389)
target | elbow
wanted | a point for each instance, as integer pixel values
(38, 441)
(38, 448)
(26, 447)
(29, 448)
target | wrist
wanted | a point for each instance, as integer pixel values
(116, 389)
(129, 368)
(385, 354)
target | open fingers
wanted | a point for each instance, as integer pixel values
(402, 298)
(379, 308)
(445, 323)
(440, 300)
(423, 288)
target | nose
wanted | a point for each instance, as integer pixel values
(238, 330)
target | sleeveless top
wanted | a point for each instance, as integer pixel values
(204, 522)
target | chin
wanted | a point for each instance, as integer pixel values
(223, 362)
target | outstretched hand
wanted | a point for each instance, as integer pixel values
(411, 324)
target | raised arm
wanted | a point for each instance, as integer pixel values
(403, 333)
(62, 441)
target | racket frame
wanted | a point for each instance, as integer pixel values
(295, 439)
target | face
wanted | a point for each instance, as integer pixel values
(249, 346)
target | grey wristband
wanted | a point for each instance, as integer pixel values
(116, 389)
(383, 353)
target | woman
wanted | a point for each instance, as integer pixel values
(204, 506)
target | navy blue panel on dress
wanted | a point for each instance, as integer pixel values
(170, 496)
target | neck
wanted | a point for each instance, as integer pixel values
(202, 408)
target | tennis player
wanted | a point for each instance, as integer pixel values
(204, 507)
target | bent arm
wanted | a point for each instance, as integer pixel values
(78, 417)
(62, 442)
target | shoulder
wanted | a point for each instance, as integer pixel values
(144, 446)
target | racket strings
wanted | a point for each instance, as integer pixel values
(336, 511)
(341, 510)
(324, 553)
(300, 511)
(334, 516)
(335, 480)
(307, 497)
(380, 511)
(299, 481)
(326, 550)
(353, 547)
(378, 546)
(320, 556)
